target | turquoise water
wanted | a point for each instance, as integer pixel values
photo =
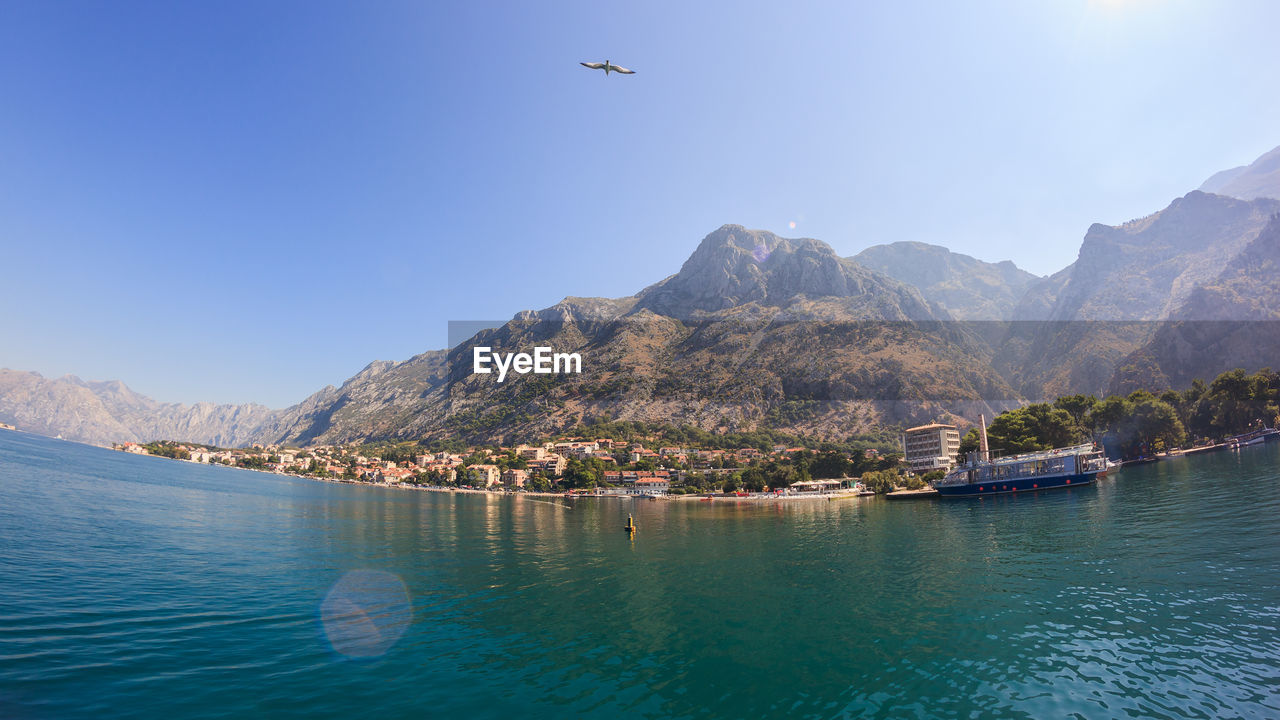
(141, 587)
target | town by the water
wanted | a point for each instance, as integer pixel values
(573, 466)
(632, 460)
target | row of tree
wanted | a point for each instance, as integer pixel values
(772, 474)
(764, 439)
(1141, 423)
(167, 448)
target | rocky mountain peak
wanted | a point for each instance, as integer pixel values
(735, 266)
(1145, 268)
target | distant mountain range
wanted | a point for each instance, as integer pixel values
(966, 288)
(758, 330)
(106, 412)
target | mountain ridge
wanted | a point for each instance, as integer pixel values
(1261, 178)
(967, 288)
(759, 330)
(102, 412)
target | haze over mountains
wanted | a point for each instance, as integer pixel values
(1261, 178)
(106, 412)
(967, 288)
(758, 330)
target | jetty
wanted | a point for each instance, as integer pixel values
(920, 494)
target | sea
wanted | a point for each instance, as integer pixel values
(140, 587)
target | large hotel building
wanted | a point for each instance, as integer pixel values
(931, 447)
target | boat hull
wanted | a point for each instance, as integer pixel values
(1031, 484)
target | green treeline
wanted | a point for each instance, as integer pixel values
(167, 448)
(661, 434)
(1140, 423)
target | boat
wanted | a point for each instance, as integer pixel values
(1257, 437)
(982, 475)
(1043, 470)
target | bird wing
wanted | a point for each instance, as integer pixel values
(593, 66)
(622, 70)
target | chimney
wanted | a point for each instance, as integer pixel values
(982, 437)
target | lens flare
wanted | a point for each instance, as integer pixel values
(365, 613)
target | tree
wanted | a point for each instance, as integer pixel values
(830, 464)
(1034, 427)
(582, 474)
(1078, 407)
(881, 481)
(1110, 414)
(755, 480)
(465, 475)
(801, 462)
(1156, 425)
(1232, 394)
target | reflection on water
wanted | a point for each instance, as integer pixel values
(139, 587)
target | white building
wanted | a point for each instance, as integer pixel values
(650, 485)
(931, 447)
(485, 475)
(532, 453)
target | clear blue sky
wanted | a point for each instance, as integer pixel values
(247, 201)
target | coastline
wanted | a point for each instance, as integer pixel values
(707, 497)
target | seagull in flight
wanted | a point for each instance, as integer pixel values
(606, 67)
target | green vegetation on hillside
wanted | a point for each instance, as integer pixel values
(661, 434)
(167, 448)
(1141, 423)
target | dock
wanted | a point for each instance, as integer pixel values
(1193, 450)
(1204, 449)
(921, 494)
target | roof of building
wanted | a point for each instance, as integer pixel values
(931, 426)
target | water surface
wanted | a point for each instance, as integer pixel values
(146, 588)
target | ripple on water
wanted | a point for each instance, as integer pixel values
(131, 587)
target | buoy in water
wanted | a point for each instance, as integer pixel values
(631, 524)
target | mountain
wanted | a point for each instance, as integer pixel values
(1232, 321)
(734, 266)
(754, 330)
(1259, 179)
(1144, 269)
(385, 399)
(106, 412)
(967, 288)
(1077, 325)
(1041, 297)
